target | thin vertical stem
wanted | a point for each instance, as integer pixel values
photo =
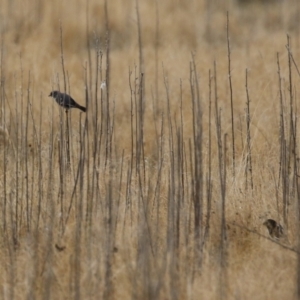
(231, 97)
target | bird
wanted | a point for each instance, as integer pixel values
(66, 100)
(275, 229)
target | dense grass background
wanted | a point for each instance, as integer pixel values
(160, 190)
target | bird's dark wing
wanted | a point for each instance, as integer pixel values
(65, 100)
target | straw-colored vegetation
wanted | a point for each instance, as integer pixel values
(161, 189)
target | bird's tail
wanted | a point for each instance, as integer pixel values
(81, 107)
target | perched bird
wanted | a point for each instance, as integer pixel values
(66, 100)
(275, 229)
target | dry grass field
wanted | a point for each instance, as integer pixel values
(189, 144)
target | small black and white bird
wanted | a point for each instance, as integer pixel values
(274, 228)
(66, 101)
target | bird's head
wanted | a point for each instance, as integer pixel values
(270, 224)
(53, 94)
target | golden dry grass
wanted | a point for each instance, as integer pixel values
(131, 232)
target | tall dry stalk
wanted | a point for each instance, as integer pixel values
(231, 95)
